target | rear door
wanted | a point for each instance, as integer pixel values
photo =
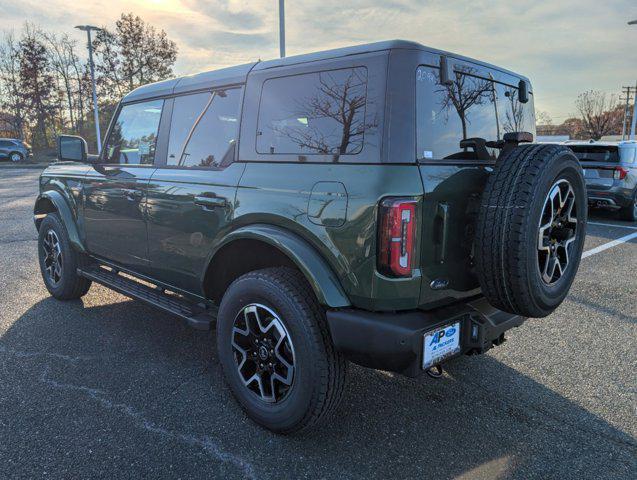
(480, 105)
(115, 189)
(5, 145)
(191, 197)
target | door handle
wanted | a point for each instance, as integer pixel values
(133, 195)
(443, 217)
(210, 202)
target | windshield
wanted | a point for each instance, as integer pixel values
(473, 110)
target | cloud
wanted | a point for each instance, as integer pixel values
(565, 47)
(239, 18)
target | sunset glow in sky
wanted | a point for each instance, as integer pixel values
(563, 46)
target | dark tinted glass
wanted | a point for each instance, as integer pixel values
(592, 153)
(186, 111)
(213, 139)
(5, 143)
(134, 134)
(471, 107)
(315, 113)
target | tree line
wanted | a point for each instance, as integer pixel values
(598, 114)
(45, 84)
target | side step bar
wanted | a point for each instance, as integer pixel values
(195, 315)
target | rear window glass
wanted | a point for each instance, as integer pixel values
(320, 113)
(472, 107)
(591, 153)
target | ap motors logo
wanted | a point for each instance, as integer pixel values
(442, 337)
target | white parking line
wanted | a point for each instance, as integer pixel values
(608, 245)
(612, 225)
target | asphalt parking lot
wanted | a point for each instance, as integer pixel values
(107, 387)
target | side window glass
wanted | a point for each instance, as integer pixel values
(514, 116)
(211, 143)
(134, 134)
(456, 121)
(186, 111)
(315, 113)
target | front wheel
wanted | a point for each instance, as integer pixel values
(59, 262)
(16, 157)
(276, 352)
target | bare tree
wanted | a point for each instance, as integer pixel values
(543, 118)
(339, 101)
(514, 115)
(463, 93)
(11, 101)
(64, 61)
(596, 110)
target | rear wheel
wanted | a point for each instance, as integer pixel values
(629, 212)
(59, 261)
(531, 229)
(276, 351)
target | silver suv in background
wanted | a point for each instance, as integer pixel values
(14, 149)
(610, 171)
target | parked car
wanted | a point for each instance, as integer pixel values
(610, 170)
(379, 204)
(14, 149)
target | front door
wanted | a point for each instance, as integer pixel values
(5, 147)
(115, 190)
(191, 198)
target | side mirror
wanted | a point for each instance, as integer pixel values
(523, 91)
(72, 148)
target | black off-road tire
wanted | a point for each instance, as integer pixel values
(70, 286)
(629, 212)
(319, 370)
(19, 157)
(507, 235)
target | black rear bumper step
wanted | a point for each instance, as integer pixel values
(393, 341)
(195, 315)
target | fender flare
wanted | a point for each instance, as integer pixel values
(316, 270)
(66, 215)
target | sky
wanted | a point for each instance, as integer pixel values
(564, 46)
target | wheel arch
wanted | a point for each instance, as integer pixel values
(53, 201)
(259, 246)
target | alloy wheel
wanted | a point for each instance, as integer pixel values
(52, 257)
(15, 157)
(263, 352)
(557, 231)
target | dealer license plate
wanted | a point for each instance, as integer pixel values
(440, 343)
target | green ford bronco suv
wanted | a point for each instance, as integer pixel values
(381, 204)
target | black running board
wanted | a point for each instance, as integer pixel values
(194, 314)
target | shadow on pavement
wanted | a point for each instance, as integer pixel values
(122, 390)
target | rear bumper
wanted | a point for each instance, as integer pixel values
(613, 198)
(394, 341)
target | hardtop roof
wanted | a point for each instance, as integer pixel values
(239, 74)
(607, 143)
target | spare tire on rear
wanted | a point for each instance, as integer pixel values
(531, 229)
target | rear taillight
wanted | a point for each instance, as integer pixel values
(396, 237)
(620, 173)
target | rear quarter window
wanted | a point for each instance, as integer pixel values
(319, 113)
